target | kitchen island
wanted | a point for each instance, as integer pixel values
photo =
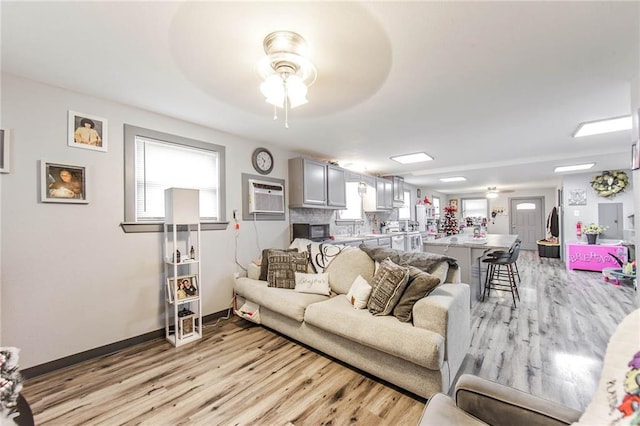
(469, 251)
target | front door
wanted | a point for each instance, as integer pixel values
(527, 221)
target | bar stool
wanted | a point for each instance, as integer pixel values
(501, 253)
(502, 279)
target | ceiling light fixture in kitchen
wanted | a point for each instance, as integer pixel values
(417, 157)
(453, 179)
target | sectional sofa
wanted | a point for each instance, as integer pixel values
(421, 356)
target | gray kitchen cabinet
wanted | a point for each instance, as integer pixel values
(336, 186)
(384, 242)
(398, 190)
(316, 184)
(379, 196)
(384, 192)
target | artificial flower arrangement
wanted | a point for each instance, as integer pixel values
(610, 183)
(593, 228)
(10, 380)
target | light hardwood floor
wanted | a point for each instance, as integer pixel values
(551, 345)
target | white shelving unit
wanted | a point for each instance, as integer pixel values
(183, 294)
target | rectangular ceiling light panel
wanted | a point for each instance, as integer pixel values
(573, 168)
(603, 126)
(418, 157)
(454, 179)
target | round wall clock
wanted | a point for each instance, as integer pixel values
(262, 161)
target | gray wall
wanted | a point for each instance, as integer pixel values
(71, 279)
(589, 213)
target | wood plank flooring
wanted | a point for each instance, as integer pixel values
(551, 345)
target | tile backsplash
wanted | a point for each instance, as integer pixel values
(371, 223)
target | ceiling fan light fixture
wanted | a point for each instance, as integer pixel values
(286, 71)
(607, 125)
(492, 192)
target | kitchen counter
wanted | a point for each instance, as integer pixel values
(491, 241)
(469, 252)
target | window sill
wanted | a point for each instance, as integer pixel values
(138, 227)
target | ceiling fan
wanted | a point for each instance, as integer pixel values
(493, 192)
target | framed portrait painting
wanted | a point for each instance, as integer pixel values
(87, 131)
(453, 203)
(63, 183)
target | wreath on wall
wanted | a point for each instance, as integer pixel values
(609, 183)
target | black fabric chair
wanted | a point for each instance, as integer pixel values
(501, 274)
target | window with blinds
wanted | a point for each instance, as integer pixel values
(161, 165)
(155, 161)
(474, 207)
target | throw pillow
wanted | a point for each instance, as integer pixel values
(264, 265)
(312, 283)
(321, 254)
(359, 293)
(420, 284)
(425, 261)
(283, 267)
(350, 263)
(388, 284)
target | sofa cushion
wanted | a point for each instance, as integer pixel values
(264, 260)
(283, 267)
(388, 285)
(321, 255)
(432, 263)
(312, 283)
(344, 269)
(420, 284)
(384, 333)
(280, 300)
(359, 293)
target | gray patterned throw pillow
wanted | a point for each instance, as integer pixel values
(283, 267)
(388, 285)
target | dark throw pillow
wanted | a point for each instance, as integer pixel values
(283, 267)
(264, 265)
(420, 284)
(388, 285)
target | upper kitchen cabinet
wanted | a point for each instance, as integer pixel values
(336, 186)
(379, 196)
(398, 190)
(316, 184)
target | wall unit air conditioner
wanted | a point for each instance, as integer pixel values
(265, 197)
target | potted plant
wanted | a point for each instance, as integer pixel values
(592, 231)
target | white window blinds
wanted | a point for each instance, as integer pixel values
(161, 165)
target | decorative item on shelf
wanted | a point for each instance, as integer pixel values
(286, 72)
(610, 183)
(177, 256)
(592, 231)
(10, 382)
(192, 253)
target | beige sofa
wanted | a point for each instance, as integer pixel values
(422, 356)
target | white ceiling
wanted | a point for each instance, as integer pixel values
(492, 90)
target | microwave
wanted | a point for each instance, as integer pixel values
(313, 232)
